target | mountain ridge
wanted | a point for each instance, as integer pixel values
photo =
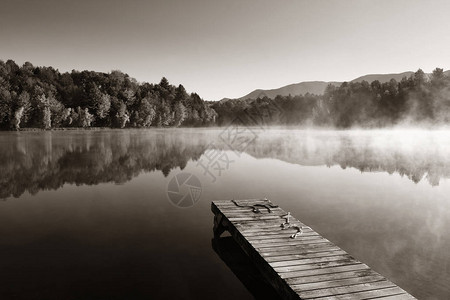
(318, 87)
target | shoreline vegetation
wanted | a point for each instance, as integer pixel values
(41, 98)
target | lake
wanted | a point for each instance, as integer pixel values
(109, 214)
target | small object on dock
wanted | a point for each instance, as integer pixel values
(296, 260)
(288, 221)
(268, 205)
(288, 224)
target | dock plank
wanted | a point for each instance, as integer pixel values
(300, 257)
(308, 260)
(364, 295)
(349, 289)
(330, 277)
(337, 283)
(306, 267)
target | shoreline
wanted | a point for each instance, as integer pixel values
(263, 128)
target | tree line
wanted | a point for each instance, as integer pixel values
(42, 97)
(420, 99)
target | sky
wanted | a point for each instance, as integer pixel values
(228, 48)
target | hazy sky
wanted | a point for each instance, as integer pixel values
(228, 48)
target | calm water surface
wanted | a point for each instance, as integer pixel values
(85, 214)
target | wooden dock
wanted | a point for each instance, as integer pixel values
(306, 266)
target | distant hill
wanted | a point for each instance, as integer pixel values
(312, 87)
(318, 87)
(383, 77)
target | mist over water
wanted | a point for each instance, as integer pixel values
(91, 205)
(414, 153)
(32, 162)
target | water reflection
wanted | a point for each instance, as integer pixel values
(45, 161)
(120, 236)
(30, 162)
(416, 154)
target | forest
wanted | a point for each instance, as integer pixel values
(421, 100)
(42, 97)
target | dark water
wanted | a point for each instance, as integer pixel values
(86, 215)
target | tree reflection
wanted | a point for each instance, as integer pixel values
(31, 162)
(47, 161)
(417, 155)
